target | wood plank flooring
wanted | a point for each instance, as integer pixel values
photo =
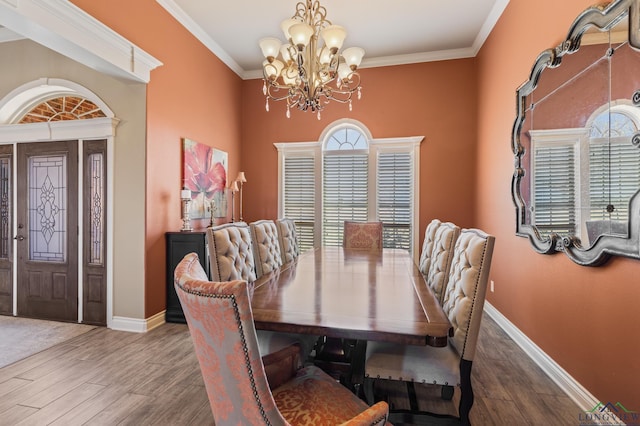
(107, 377)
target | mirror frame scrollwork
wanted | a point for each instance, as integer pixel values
(604, 17)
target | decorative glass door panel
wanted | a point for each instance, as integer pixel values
(47, 208)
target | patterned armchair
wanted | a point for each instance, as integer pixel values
(266, 248)
(463, 303)
(235, 376)
(362, 235)
(288, 240)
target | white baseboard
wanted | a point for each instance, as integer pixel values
(568, 384)
(135, 325)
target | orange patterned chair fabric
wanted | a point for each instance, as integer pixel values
(362, 235)
(235, 376)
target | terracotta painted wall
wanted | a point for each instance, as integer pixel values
(436, 100)
(585, 318)
(193, 94)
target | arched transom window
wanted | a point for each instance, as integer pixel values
(62, 108)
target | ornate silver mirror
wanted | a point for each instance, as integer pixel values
(576, 140)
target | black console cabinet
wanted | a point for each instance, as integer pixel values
(178, 245)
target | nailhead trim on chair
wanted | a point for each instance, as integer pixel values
(245, 348)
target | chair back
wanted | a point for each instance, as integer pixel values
(230, 252)
(441, 257)
(362, 235)
(224, 337)
(466, 289)
(427, 246)
(288, 239)
(266, 248)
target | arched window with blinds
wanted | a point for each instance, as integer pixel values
(348, 175)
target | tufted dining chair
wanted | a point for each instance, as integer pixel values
(245, 388)
(231, 253)
(362, 235)
(451, 365)
(266, 248)
(231, 258)
(427, 246)
(442, 249)
(288, 239)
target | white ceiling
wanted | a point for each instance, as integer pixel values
(391, 32)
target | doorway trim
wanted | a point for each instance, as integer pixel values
(16, 103)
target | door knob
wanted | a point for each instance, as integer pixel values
(18, 237)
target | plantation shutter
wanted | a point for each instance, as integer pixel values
(613, 178)
(299, 197)
(554, 188)
(394, 193)
(345, 194)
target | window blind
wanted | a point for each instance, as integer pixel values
(554, 188)
(345, 194)
(613, 178)
(299, 197)
(394, 193)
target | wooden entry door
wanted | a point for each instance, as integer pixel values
(47, 237)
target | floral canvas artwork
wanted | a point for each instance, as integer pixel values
(205, 175)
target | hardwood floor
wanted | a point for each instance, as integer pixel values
(107, 377)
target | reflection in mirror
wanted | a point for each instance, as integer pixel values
(576, 140)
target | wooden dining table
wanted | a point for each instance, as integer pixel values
(354, 294)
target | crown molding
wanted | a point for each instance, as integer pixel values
(65, 28)
(197, 31)
(442, 55)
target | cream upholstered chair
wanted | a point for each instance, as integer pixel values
(231, 258)
(245, 388)
(362, 235)
(266, 248)
(231, 253)
(288, 239)
(441, 257)
(427, 246)
(463, 303)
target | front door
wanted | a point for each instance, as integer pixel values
(47, 230)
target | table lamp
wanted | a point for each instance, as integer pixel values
(241, 179)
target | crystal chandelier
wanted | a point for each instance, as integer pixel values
(309, 70)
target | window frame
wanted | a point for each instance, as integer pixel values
(315, 149)
(581, 140)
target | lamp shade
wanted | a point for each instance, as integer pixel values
(185, 194)
(353, 56)
(343, 71)
(333, 37)
(273, 69)
(284, 51)
(286, 25)
(270, 47)
(300, 35)
(290, 76)
(234, 186)
(241, 177)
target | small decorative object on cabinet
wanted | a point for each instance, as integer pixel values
(178, 245)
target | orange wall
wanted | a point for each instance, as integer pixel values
(436, 100)
(194, 95)
(585, 318)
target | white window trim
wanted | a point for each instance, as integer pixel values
(376, 146)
